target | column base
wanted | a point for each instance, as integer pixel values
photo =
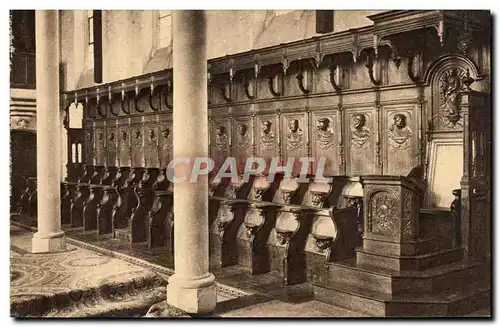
(193, 295)
(55, 242)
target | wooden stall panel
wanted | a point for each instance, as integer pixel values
(242, 140)
(295, 138)
(100, 146)
(325, 140)
(151, 153)
(137, 141)
(267, 137)
(220, 143)
(400, 141)
(166, 153)
(361, 131)
(111, 139)
(124, 145)
(89, 146)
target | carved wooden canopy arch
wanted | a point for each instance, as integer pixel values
(446, 62)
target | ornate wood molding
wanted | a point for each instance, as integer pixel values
(300, 80)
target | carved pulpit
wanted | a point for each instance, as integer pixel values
(391, 220)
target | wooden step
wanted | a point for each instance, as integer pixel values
(394, 282)
(417, 262)
(471, 297)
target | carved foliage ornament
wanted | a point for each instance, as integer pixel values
(399, 133)
(359, 132)
(383, 211)
(407, 213)
(450, 86)
(295, 135)
(324, 134)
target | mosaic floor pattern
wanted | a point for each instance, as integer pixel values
(77, 283)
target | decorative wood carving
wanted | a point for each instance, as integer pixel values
(369, 65)
(110, 102)
(407, 214)
(383, 211)
(300, 80)
(334, 65)
(105, 210)
(155, 96)
(152, 147)
(100, 110)
(246, 86)
(325, 137)
(295, 135)
(224, 90)
(125, 153)
(125, 102)
(399, 133)
(359, 132)
(267, 138)
(451, 84)
(136, 149)
(100, 147)
(270, 85)
(169, 89)
(221, 139)
(166, 142)
(323, 244)
(110, 150)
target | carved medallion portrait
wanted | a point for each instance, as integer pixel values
(295, 135)
(124, 148)
(124, 144)
(399, 133)
(267, 136)
(152, 140)
(359, 132)
(137, 137)
(324, 134)
(166, 139)
(221, 139)
(242, 137)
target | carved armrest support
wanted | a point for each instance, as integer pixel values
(322, 243)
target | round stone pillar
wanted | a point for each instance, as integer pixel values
(50, 237)
(192, 287)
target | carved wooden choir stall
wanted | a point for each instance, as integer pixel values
(386, 107)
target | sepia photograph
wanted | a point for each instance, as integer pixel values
(181, 164)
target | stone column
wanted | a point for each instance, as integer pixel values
(49, 237)
(192, 287)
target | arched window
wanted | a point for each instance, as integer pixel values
(73, 153)
(79, 153)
